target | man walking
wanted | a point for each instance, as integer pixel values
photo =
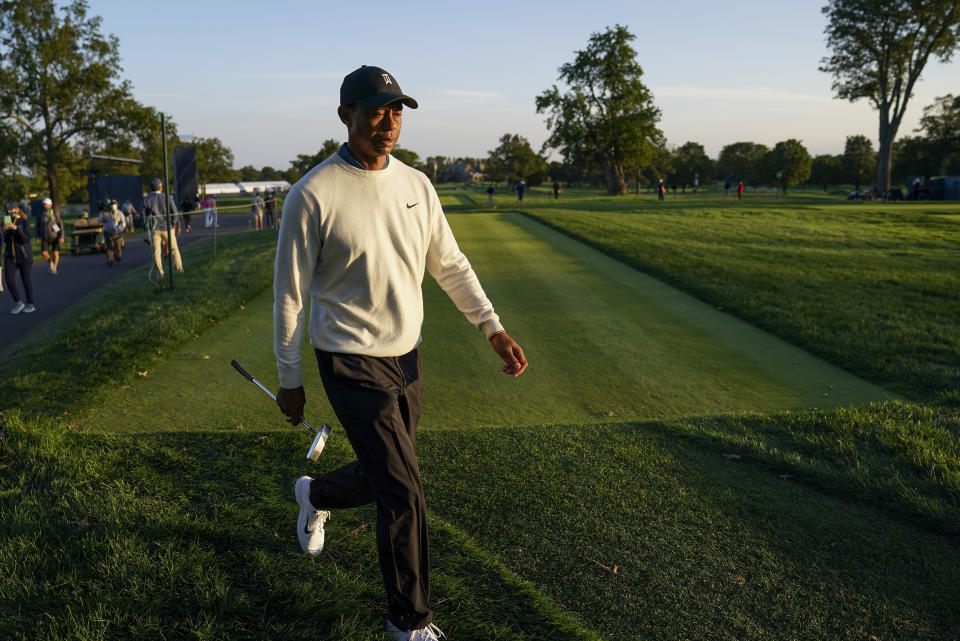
(114, 222)
(356, 234)
(156, 206)
(51, 235)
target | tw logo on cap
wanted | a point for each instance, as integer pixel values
(386, 79)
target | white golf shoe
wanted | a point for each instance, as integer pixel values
(311, 520)
(429, 633)
(17, 308)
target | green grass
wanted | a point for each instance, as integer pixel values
(130, 325)
(189, 536)
(873, 288)
(758, 523)
(642, 350)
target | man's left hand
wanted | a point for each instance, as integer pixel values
(510, 352)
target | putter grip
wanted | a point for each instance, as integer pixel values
(245, 373)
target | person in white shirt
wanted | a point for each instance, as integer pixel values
(356, 235)
(114, 222)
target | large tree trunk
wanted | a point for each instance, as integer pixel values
(52, 182)
(888, 131)
(616, 182)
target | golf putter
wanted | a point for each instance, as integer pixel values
(321, 435)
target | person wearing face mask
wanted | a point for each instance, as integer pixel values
(357, 233)
(51, 235)
(17, 256)
(114, 222)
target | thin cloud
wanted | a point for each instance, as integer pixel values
(745, 94)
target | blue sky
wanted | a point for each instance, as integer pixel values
(264, 77)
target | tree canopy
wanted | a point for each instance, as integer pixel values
(741, 160)
(691, 165)
(514, 160)
(879, 49)
(826, 170)
(941, 125)
(61, 86)
(786, 165)
(606, 115)
(214, 161)
(859, 160)
(305, 162)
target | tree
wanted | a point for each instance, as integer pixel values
(941, 124)
(248, 173)
(913, 156)
(408, 157)
(305, 162)
(826, 170)
(607, 115)
(859, 161)
(60, 79)
(514, 160)
(691, 165)
(214, 161)
(786, 165)
(880, 48)
(741, 160)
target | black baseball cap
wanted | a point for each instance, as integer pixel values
(372, 87)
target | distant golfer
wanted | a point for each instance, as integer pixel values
(357, 232)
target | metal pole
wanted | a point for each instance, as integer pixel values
(166, 199)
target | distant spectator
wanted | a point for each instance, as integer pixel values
(114, 222)
(521, 187)
(270, 209)
(210, 212)
(556, 190)
(51, 235)
(661, 189)
(17, 256)
(491, 190)
(129, 213)
(187, 207)
(256, 209)
(740, 190)
(156, 205)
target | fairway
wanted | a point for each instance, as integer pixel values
(605, 342)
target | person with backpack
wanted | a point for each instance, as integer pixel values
(156, 206)
(51, 235)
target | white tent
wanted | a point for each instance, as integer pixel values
(263, 185)
(216, 189)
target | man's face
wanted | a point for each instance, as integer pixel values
(372, 133)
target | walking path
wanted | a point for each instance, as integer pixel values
(79, 275)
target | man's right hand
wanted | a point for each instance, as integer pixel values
(291, 402)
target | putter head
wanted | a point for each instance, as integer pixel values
(318, 442)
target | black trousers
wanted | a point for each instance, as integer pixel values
(378, 402)
(10, 270)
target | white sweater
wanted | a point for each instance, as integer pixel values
(355, 243)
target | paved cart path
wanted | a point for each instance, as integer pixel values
(79, 275)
